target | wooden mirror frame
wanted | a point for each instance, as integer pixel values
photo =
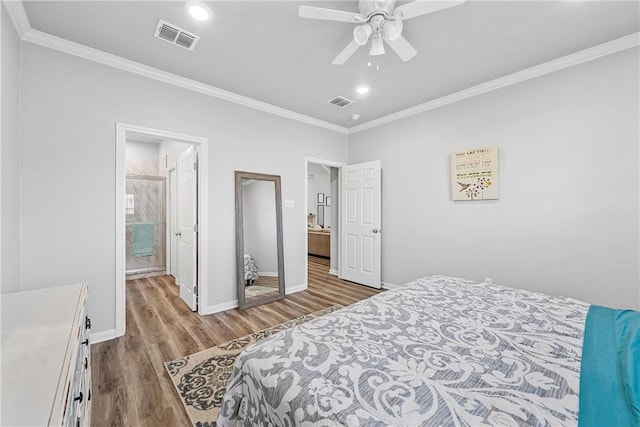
(263, 299)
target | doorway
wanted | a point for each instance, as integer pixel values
(145, 214)
(323, 213)
(355, 199)
(154, 236)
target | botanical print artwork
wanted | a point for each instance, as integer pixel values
(474, 174)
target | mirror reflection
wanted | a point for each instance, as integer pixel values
(259, 227)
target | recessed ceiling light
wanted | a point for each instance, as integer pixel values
(198, 10)
(362, 90)
(355, 116)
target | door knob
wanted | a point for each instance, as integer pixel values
(375, 231)
(179, 234)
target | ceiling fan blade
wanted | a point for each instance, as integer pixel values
(422, 7)
(346, 53)
(329, 14)
(403, 48)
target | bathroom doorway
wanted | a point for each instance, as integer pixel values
(145, 161)
(145, 209)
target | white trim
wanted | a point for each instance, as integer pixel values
(333, 272)
(103, 336)
(230, 305)
(19, 17)
(297, 288)
(201, 146)
(23, 26)
(386, 285)
(217, 308)
(27, 33)
(331, 163)
(580, 57)
(268, 273)
(169, 219)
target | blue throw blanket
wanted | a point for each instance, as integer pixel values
(610, 370)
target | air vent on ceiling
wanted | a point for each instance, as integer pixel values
(176, 35)
(340, 101)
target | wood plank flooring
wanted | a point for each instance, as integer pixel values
(130, 384)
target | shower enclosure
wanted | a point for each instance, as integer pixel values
(145, 226)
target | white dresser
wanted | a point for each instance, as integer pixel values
(46, 358)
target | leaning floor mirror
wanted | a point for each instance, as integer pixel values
(260, 262)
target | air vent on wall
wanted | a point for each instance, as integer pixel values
(176, 35)
(340, 101)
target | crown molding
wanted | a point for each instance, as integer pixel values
(18, 16)
(580, 57)
(20, 20)
(23, 26)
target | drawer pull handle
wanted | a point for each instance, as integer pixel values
(86, 341)
(79, 398)
(87, 323)
(86, 363)
(89, 398)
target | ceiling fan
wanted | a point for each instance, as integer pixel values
(379, 20)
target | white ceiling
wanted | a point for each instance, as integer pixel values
(263, 50)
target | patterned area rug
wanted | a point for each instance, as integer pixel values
(201, 378)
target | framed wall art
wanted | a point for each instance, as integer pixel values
(474, 174)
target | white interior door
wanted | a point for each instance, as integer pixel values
(360, 223)
(173, 224)
(187, 213)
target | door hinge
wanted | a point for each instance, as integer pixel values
(195, 289)
(195, 166)
(195, 228)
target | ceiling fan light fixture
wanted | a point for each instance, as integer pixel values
(362, 33)
(377, 46)
(198, 10)
(392, 30)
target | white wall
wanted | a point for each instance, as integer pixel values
(69, 111)
(10, 157)
(567, 219)
(145, 151)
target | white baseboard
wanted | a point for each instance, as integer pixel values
(217, 308)
(103, 336)
(386, 285)
(268, 273)
(298, 288)
(334, 272)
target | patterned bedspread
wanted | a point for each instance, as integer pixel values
(439, 351)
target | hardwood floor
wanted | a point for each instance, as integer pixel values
(130, 384)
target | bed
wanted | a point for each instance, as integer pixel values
(439, 351)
